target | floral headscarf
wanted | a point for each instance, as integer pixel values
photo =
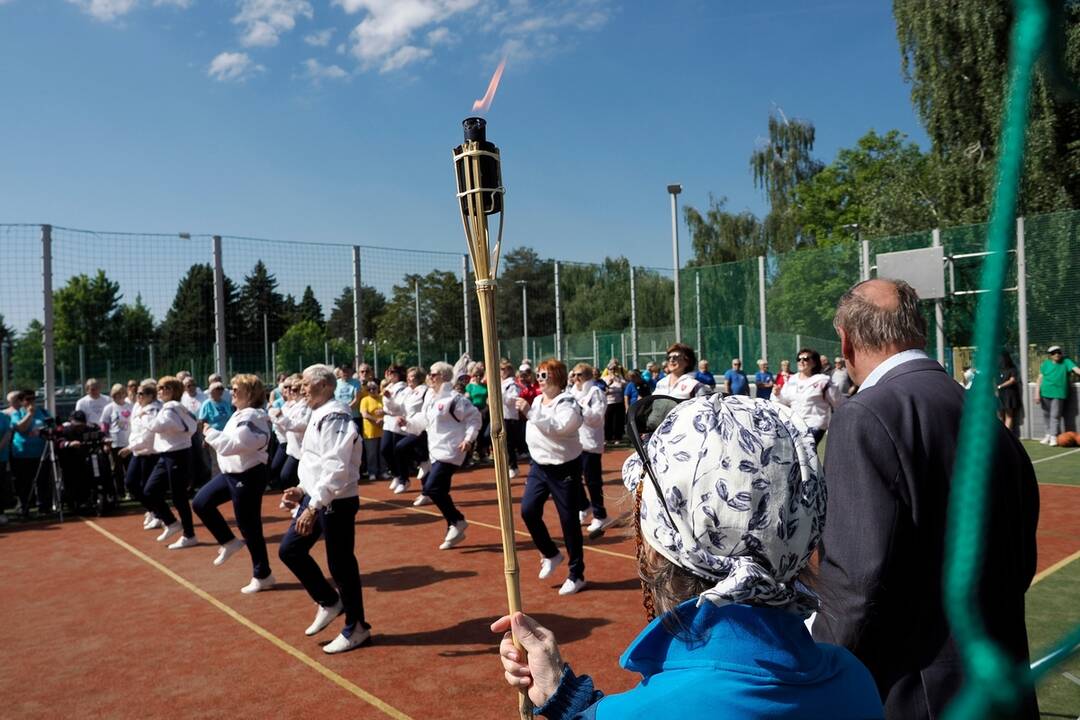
(741, 479)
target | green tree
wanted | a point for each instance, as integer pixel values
(6, 334)
(259, 297)
(27, 357)
(372, 305)
(441, 320)
(188, 328)
(954, 55)
(85, 313)
(721, 236)
(522, 265)
(305, 343)
(133, 330)
(882, 186)
(309, 308)
(779, 165)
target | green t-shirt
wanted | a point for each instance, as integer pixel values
(1055, 378)
(477, 394)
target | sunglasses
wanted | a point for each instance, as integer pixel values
(804, 358)
(542, 375)
(675, 358)
(642, 420)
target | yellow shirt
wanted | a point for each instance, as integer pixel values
(371, 405)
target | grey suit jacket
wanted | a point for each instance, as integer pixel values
(888, 468)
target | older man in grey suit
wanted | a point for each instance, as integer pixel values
(889, 465)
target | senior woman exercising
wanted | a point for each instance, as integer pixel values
(730, 507)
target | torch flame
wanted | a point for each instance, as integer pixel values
(484, 103)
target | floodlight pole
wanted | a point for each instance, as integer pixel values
(674, 190)
(1022, 321)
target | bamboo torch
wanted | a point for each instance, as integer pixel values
(480, 193)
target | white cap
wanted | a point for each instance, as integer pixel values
(524, 367)
(1053, 349)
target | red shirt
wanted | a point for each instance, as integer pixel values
(528, 392)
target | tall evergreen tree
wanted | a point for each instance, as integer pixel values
(258, 297)
(340, 323)
(955, 54)
(7, 335)
(309, 308)
(188, 327)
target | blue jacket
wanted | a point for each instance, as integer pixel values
(749, 662)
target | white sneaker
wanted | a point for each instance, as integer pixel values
(1045, 440)
(154, 524)
(583, 516)
(146, 519)
(424, 469)
(597, 526)
(257, 585)
(225, 551)
(324, 616)
(402, 487)
(454, 535)
(394, 482)
(342, 644)
(421, 501)
(572, 586)
(1053, 441)
(184, 542)
(513, 473)
(548, 565)
(169, 531)
(371, 477)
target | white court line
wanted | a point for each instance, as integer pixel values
(1055, 457)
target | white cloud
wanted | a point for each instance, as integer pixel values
(383, 37)
(105, 10)
(232, 67)
(320, 38)
(182, 4)
(264, 21)
(440, 36)
(316, 71)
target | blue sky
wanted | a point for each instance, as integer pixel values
(333, 119)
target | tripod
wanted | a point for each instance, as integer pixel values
(57, 477)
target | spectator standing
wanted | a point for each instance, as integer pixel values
(528, 387)
(477, 392)
(1008, 390)
(348, 390)
(192, 397)
(93, 403)
(326, 502)
(133, 392)
(735, 380)
(15, 402)
(892, 450)
(636, 388)
(1053, 391)
(277, 395)
(681, 379)
(5, 453)
(614, 380)
(116, 424)
(809, 393)
(371, 410)
(784, 374)
(226, 393)
(841, 380)
(764, 381)
(703, 375)
(27, 448)
(214, 413)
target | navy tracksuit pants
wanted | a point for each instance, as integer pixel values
(338, 523)
(172, 473)
(246, 491)
(563, 484)
(437, 487)
(290, 472)
(410, 450)
(594, 483)
(138, 470)
(387, 447)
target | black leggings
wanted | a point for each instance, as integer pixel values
(172, 473)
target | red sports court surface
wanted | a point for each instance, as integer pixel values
(101, 621)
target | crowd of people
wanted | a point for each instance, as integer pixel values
(731, 502)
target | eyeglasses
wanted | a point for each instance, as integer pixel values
(642, 420)
(542, 375)
(574, 375)
(803, 358)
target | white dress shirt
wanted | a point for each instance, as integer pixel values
(242, 444)
(330, 455)
(173, 427)
(888, 364)
(593, 409)
(141, 437)
(449, 419)
(552, 430)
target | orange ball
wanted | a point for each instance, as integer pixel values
(1067, 439)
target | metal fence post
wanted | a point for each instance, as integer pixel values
(798, 343)
(108, 373)
(153, 364)
(358, 310)
(697, 311)
(741, 342)
(864, 260)
(82, 365)
(47, 338)
(416, 299)
(761, 307)
(4, 351)
(558, 313)
(219, 309)
(595, 351)
(266, 346)
(1022, 322)
(273, 363)
(939, 312)
(633, 321)
(465, 299)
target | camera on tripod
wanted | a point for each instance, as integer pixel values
(84, 462)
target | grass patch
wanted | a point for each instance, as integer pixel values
(1054, 464)
(1052, 609)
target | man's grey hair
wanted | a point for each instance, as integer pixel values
(444, 371)
(869, 326)
(214, 377)
(320, 374)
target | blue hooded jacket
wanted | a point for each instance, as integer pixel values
(737, 661)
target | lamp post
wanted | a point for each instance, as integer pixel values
(674, 190)
(524, 319)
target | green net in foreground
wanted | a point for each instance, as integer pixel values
(994, 683)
